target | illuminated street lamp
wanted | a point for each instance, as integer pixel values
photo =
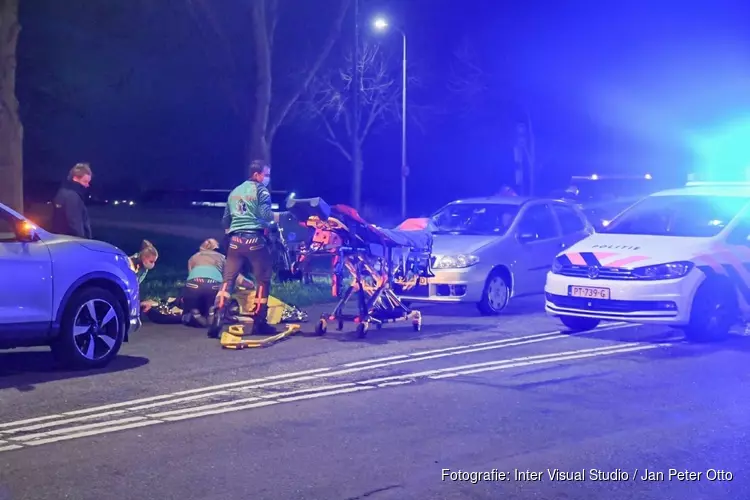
(381, 24)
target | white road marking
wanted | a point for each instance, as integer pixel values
(31, 420)
(394, 383)
(552, 356)
(35, 436)
(81, 431)
(539, 361)
(272, 395)
(68, 421)
(275, 380)
(181, 393)
(223, 404)
(178, 400)
(464, 350)
(304, 375)
(218, 412)
(13, 442)
(323, 394)
(480, 344)
(107, 430)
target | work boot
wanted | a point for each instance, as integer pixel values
(211, 315)
(263, 328)
(198, 318)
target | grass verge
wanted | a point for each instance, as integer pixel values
(168, 276)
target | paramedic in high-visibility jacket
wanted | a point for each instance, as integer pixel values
(246, 220)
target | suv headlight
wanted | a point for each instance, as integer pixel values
(455, 261)
(667, 271)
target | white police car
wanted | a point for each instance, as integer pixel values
(679, 258)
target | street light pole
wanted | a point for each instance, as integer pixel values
(381, 24)
(404, 167)
(356, 89)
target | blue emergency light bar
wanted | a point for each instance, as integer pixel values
(597, 177)
(718, 184)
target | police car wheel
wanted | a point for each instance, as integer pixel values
(495, 296)
(713, 313)
(577, 324)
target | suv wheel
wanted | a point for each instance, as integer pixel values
(92, 330)
(495, 296)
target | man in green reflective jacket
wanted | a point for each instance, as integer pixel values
(247, 219)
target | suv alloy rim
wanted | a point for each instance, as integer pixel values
(95, 329)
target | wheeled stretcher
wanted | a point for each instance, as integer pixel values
(371, 256)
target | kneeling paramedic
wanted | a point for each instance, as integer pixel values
(247, 219)
(203, 282)
(206, 269)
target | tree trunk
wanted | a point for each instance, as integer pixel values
(259, 147)
(358, 167)
(11, 129)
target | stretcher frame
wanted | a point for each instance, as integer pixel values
(377, 303)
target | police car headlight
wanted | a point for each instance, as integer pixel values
(556, 267)
(667, 271)
(455, 261)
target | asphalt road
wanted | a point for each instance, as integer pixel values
(399, 415)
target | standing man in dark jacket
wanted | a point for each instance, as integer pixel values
(70, 215)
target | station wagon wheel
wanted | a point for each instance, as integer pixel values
(496, 294)
(92, 329)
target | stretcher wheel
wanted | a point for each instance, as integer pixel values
(362, 330)
(340, 325)
(321, 327)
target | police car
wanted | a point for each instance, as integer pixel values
(679, 258)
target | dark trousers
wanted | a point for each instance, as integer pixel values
(199, 294)
(254, 249)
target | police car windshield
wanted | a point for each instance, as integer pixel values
(683, 215)
(474, 218)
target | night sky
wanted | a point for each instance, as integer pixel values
(143, 92)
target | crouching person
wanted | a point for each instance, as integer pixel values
(141, 263)
(205, 270)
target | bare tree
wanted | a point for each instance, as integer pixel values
(330, 105)
(274, 95)
(469, 84)
(11, 129)
(482, 94)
